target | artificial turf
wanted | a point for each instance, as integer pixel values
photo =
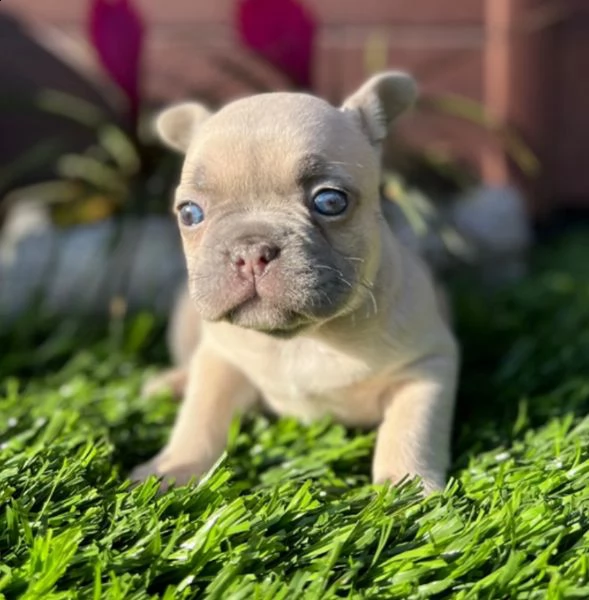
(289, 513)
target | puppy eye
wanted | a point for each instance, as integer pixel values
(190, 214)
(330, 203)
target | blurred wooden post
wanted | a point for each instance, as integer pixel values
(518, 87)
(497, 50)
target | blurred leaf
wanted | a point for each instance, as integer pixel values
(455, 243)
(70, 107)
(55, 102)
(140, 330)
(92, 171)
(121, 148)
(423, 215)
(70, 202)
(443, 163)
(48, 192)
(84, 210)
(469, 110)
(414, 206)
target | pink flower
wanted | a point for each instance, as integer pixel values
(282, 31)
(116, 31)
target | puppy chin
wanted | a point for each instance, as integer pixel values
(258, 315)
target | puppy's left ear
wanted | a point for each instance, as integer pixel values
(380, 101)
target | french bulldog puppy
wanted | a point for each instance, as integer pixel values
(300, 295)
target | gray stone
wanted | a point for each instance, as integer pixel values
(83, 269)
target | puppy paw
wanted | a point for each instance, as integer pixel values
(429, 483)
(178, 475)
(171, 382)
(144, 471)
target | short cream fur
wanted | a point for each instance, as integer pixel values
(339, 320)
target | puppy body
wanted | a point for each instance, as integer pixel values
(332, 315)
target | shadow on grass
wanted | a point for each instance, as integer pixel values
(525, 351)
(35, 347)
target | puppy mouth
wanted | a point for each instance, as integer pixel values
(285, 332)
(256, 314)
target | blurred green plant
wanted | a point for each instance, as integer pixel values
(125, 169)
(421, 179)
(120, 170)
(467, 110)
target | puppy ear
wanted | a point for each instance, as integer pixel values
(380, 101)
(177, 124)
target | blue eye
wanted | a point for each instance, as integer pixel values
(191, 214)
(330, 203)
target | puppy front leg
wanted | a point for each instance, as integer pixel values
(216, 391)
(414, 436)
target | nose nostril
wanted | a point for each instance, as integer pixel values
(254, 260)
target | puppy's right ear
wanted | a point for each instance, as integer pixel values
(380, 101)
(177, 124)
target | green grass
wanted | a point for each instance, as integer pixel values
(290, 513)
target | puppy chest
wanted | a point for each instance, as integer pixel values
(312, 388)
(358, 404)
(308, 380)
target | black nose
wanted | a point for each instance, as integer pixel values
(252, 259)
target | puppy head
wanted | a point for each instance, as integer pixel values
(278, 203)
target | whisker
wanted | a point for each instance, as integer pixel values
(338, 272)
(349, 258)
(368, 287)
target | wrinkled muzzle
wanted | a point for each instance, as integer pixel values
(269, 277)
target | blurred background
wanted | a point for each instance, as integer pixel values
(493, 152)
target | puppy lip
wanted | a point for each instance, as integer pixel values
(293, 321)
(252, 296)
(285, 333)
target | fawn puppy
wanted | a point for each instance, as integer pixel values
(300, 295)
